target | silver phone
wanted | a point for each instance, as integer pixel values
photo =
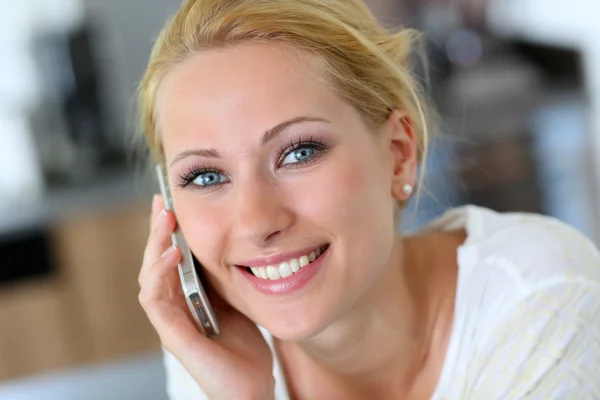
(194, 293)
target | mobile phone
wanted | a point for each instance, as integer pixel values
(195, 295)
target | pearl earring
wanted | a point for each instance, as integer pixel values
(407, 189)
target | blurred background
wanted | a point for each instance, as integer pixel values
(517, 83)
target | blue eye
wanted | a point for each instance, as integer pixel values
(298, 155)
(210, 178)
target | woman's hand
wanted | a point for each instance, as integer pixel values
(235, 365)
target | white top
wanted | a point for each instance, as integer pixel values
(527, 313)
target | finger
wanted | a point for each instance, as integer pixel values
(157, 206)
(160, 237)
(155, 284)
(158, 241)
(177, 331)
(161, 299)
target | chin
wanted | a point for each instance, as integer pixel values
(296, 332)
(298, 321)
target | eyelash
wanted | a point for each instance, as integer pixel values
(299, 143)
(188, 178)
(193, 172)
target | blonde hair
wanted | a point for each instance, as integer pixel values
(366, 64)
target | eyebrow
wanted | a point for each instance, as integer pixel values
(267, 136)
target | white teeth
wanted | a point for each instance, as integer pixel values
(295, 265)
(304, 261)
(273, 273)
(285, 269)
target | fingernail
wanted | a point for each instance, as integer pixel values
(167, 252)
(155, 203)
(161, 216)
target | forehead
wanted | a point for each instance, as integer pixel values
(247, 87)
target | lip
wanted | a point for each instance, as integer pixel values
(277, 258)
(290, 284)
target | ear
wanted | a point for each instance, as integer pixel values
(402, 143)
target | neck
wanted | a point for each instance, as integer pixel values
(390, 334)
(385, 331)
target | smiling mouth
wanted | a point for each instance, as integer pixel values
(287, 268)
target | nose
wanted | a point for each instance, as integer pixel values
(262, 211)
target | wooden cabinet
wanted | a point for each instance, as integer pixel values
(36, 329)
(87, 310)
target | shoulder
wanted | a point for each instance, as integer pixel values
(534, 249)
(528, 307)
(512, 260)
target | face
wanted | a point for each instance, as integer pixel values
(267, 165)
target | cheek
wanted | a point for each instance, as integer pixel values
(352, 199)
(347, 194)
(202, 226)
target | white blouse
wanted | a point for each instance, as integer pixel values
(527, 313)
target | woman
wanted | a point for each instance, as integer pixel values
(291, 131)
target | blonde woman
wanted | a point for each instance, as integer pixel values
(291, 131)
